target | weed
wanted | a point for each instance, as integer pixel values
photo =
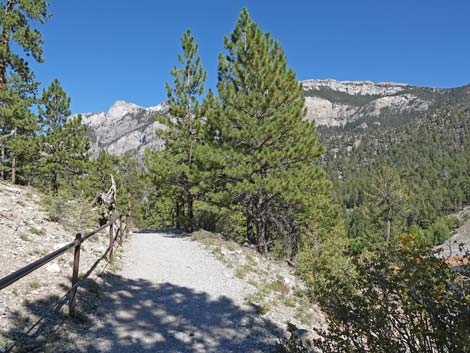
(288, 301)
(231, 246)
(243, 270)
(24, 237)
(278, 286)
(250, 259)
(36, 231)
(94, 288)
(263, 309)
(35, 284)
(25, 302)
(304, 314)
(21, 203)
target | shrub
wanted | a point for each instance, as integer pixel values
(404, 299)
(71, 211)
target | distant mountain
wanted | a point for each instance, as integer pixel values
(360, 104)
(124, 127)
(335, 106)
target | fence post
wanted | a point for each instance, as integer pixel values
(76, 266)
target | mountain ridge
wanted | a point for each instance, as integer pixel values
(330, 103)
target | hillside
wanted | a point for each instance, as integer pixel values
(27, 235)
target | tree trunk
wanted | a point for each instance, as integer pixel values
(250, 233)
(13, 162)
(55, 185)
(262, 242)
(129, 208)
(389, 224)
(189, 224)
(2, 159)
(177, 215)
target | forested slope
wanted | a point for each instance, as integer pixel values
(428, 155)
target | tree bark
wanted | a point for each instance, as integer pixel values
(389, 224)
(189, 225)
(55, 185)
(13, 162)
(129, 208)
(250, 232)
(177, 215)
(2, 158)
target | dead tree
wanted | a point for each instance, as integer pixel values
(107, 201)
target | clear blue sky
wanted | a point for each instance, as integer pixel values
(105, 50)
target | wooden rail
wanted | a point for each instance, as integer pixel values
(118, 227)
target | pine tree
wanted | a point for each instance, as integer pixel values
(386, 202)
(177, 167)
(19, 127)
(64, 147)
(270, 151)
(16, 19)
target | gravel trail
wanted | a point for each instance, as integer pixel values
(173, 296)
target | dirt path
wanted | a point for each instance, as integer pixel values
(173, 296)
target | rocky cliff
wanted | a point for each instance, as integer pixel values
(124, 127)
(337, 103)
(330, 103)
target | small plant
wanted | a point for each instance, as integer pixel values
(263, 309)
(25, 302)
(36, 231)
(278, 286)
(288, 301)
(242, 271)
(94, 288)
(35, 284)
(24, 237)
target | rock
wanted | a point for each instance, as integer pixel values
(125, 127)
(250, 246)
(54, 268)
(335, 103)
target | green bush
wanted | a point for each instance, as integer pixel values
(73, 212)
(403, 299)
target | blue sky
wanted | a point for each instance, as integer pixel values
(105, 50)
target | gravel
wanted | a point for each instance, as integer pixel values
(173, 296)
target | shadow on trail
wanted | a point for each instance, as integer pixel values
(169, 232)
(139, 316)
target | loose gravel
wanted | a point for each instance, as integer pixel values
(173, 296)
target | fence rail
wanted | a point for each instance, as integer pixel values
(118, 227)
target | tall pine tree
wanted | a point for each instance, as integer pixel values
(177, 167)
(17, 20)
(64, 147)
(269, 149)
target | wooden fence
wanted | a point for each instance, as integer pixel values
(118, 228)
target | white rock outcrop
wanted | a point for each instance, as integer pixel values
(125, 127)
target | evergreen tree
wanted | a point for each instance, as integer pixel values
(64, 147)
(16, 19)
(177, 167)
(269, 149)
(19, 127)
(387, 202)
